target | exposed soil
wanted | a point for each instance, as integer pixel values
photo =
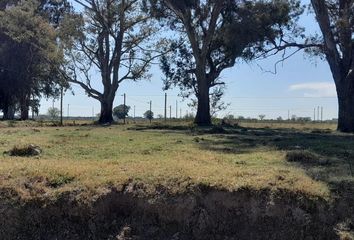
(204, 213)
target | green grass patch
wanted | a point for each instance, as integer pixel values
(176, 157)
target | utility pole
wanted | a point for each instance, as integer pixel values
(321, 114)
(170, 112)
(134, 112)
(318, 113)
(180, 113)
(176, 109)
(61, 106)
(165, 107)
(288, 115)
(314, 114)
(150, 110)
(68, 110)
(124, 106)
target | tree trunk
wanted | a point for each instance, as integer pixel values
(106, 116)
(24, 108)
(24, 112)
(9, 112)
(203, 117)
(345, 93)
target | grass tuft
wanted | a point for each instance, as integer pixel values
(25, 151)
(302, 156)
(60, 180)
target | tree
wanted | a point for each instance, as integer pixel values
(149, 115)
(261, 117)
(29, 57)
(53, 113)
(230, 117)
(215, 102)
(335, 19)
(189, 116)
(121, 111)
(213, 35)
(111, 37)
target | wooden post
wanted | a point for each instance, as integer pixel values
(165, 107)
(150, 110)
(125, 98)
(61, 106)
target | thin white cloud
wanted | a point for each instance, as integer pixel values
(315, 89)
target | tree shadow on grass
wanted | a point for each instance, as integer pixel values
(335, 150)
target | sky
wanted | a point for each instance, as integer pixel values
(300, 85)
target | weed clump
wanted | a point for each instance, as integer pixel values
(321, 131)
(60, 180)
(302, 156)
(11, 124)
(217, 129)
(26, 151)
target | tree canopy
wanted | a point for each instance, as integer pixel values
(121, 111)
(213, 35)
(113, 38)
(149, 115)
(29, 58)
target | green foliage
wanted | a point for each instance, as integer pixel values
(112, 38)
(213, 35)
(149, 115)
(29, 56)
(335, 19)
(121, 111)
(53, 113)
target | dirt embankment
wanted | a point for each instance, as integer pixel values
(202, 214)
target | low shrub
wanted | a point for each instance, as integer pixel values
(26, 151)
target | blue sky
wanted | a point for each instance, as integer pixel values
(300, 85)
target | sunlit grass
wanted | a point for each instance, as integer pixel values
(95, 157)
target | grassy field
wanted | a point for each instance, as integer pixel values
(177, 157)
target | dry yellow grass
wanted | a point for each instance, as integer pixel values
(93, 158)
(291, 125)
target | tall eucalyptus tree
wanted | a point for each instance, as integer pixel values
(214, 34)
(112, 36)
